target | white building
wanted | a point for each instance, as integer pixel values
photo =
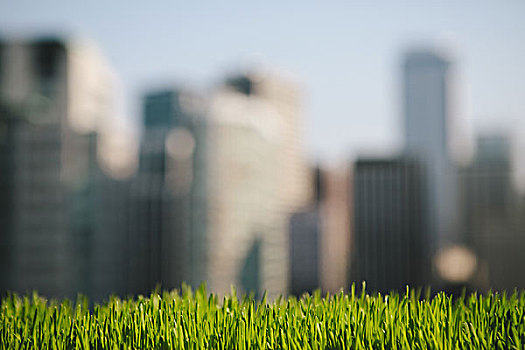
(257, 178)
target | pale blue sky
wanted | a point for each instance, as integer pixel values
(345, 53)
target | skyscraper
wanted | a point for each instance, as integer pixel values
(168, 202)
(55, 95)
(258, 178)
(426, 110)
(218, 178)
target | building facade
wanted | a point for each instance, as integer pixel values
(258, 178)
(218, 178)
(50, 122)
(390, 248)
(305, 251)
(320, 235)
(426, 116)
(167, 195)
(493, 224)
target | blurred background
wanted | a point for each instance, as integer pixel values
(279, 147)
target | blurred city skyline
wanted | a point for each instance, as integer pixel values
(205, 202)
(278, 148)
(346, 57)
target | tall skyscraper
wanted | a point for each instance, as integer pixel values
(258, 178)
(426, 109)
(217, 181)
(168, 202)
(55, 95)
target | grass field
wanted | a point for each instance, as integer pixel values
(198, 320)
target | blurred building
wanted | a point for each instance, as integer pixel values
(55, 96)
(487, 186)
(337, 233)
(305, 251)
(493, 222)
(258, 178)
(426, 107)
(168, 203)
(217, 180)
(320, 236)
(109, 270)
(390, 248)
(305, 228)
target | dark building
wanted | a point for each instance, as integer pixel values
(305, 231)
(49, 164)
(493, 223)
(487, 186)
(305, 242)
(164, 225)
(320, 236)
(390, 243)
(109, 271)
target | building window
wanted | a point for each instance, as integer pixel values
(47, 55)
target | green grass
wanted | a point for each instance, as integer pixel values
(198, 320)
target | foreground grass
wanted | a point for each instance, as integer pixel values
(198, 320)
